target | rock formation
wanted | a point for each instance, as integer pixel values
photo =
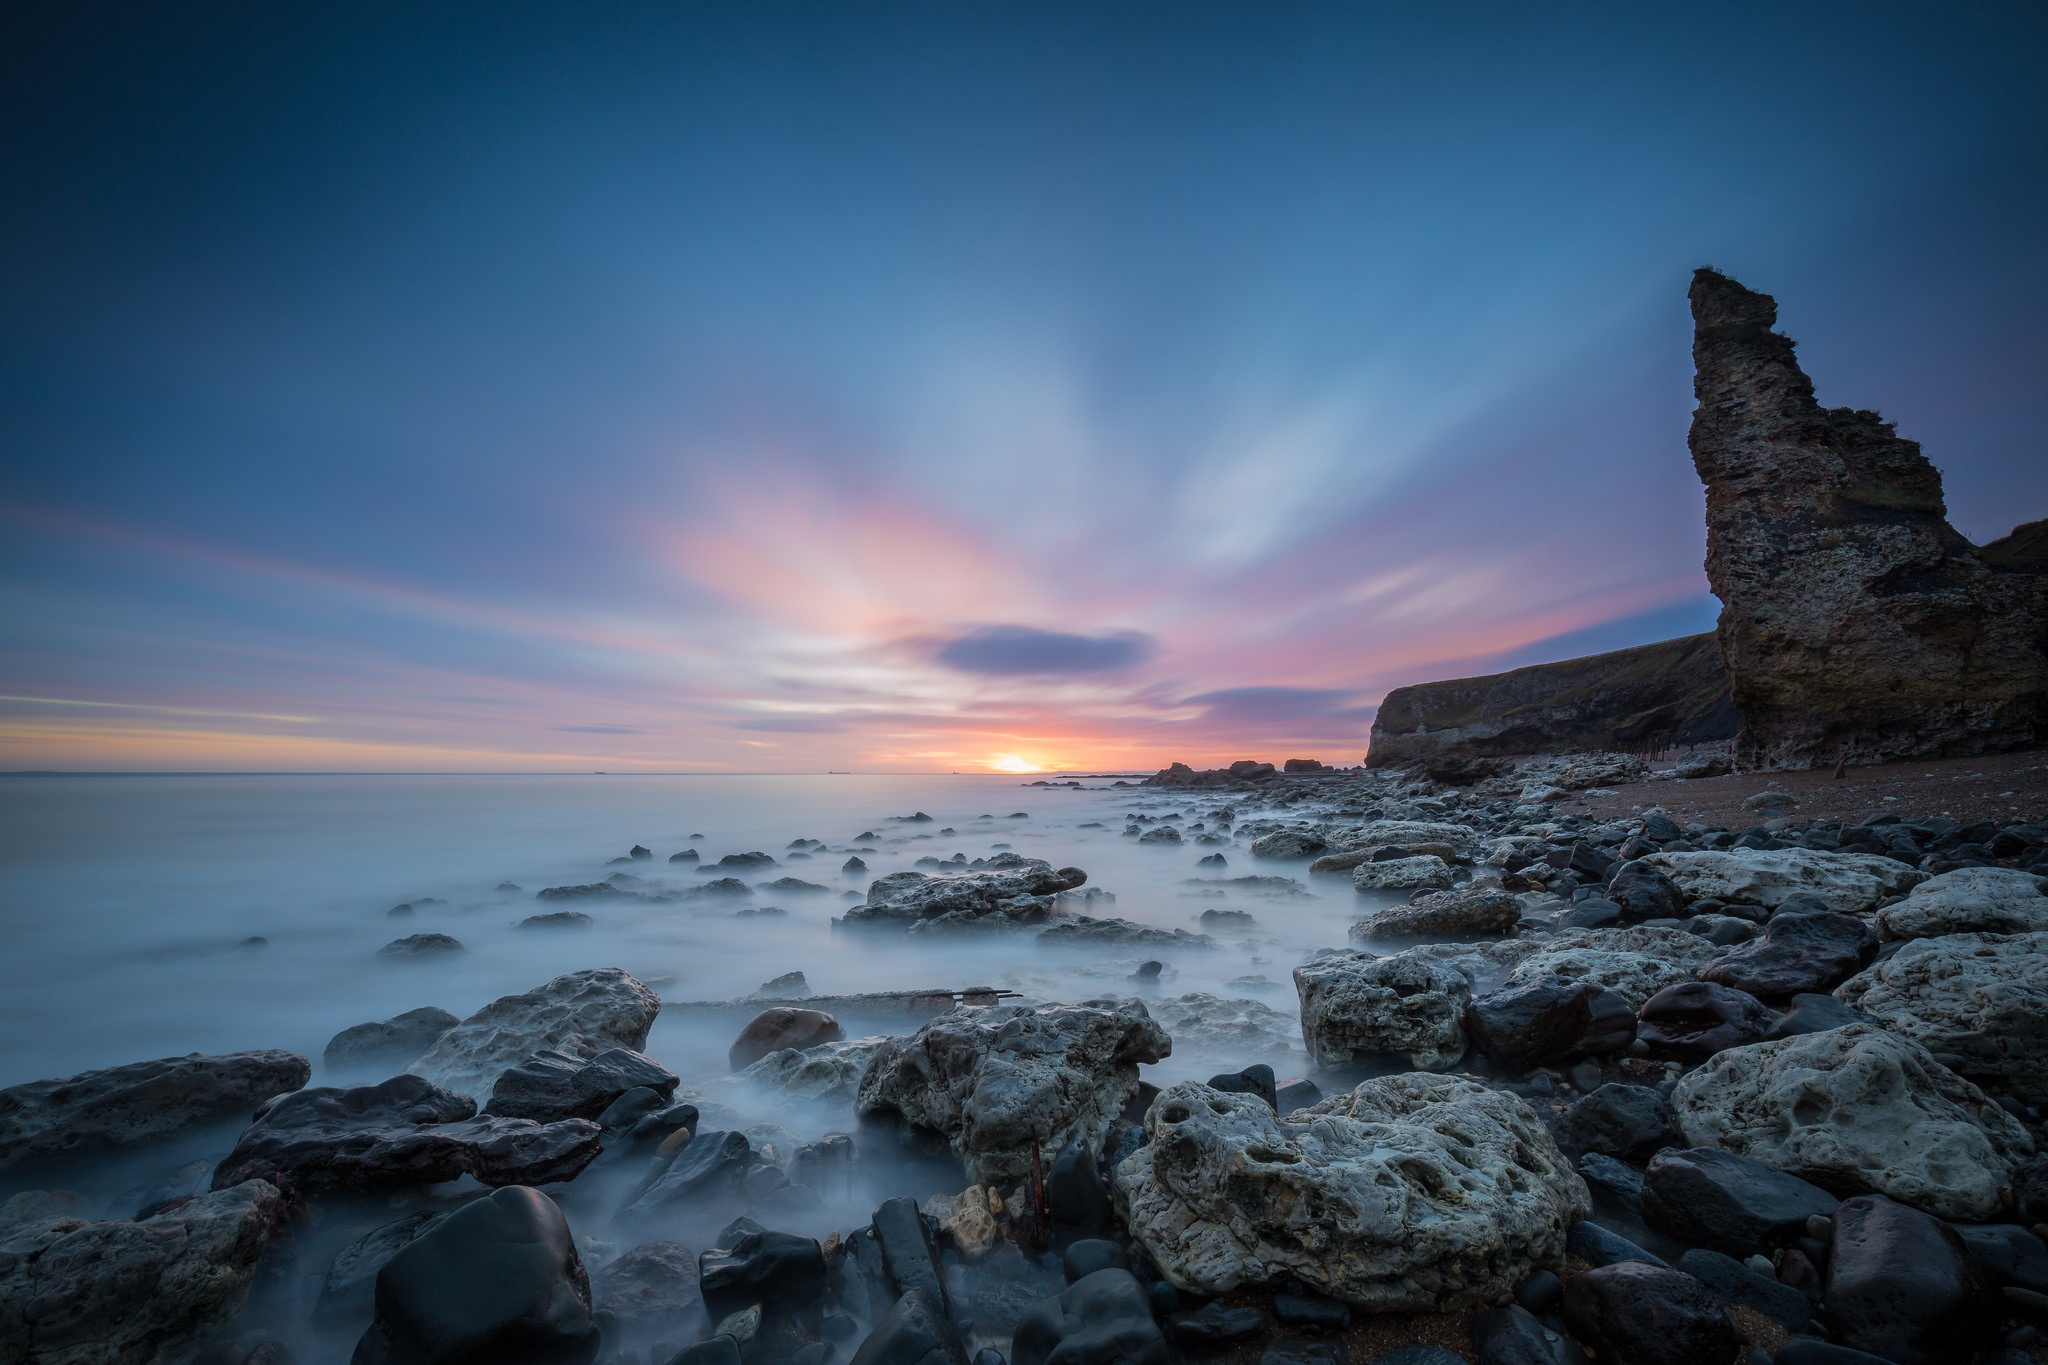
(1856, 623)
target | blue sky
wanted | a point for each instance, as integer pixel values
(936, 387)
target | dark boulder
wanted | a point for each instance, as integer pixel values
(909, 1258)
(389, 1044)
(916, 1332)
(1649, 1315)
(1511, 1336)
(420, 945)
(1901, 1284)
(498, 1281)
(122, 1106)
(1813, 1014)
(705, 1171)
(1597, 1245)
(1645, 892)
(1214, 1322)
(1798, 953)
(1253, 1080)
(1548, 1019)
(651, 1292)
(780, 1028)
(348, 1294)
(2008, 1253)
(1103, 1319)
(1076, 1201)
(1732, 1282)
(1696, 1019)
(1627, 1121)
(1706, 1197)
(1083, 1258)
(553, 1085)
(775, 1269)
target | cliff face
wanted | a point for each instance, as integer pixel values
(1673, 692)
(1856, 622)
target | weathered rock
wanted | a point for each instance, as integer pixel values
(1627, 1121)
(1980, 997)
(915, 1332)
(707, 1170)
(389, 1043)
(552, 1085)
(1354, 1004)
(1708, 1197)
(74, 1292)
(1635, 963)
(774, 1269)
(1002, 1080)
(1403, 874)
(1464, 839)
(1544, 1020)
(1969, 900)
(1412, 1193)
(1856, 624)
(580, 1014)
(1217, 1028)
(815, 1073)
(1843, 882)
(140, 1102)
(1013, 896)
(779, 1028)
(1732, 1282)
(1857, 1108)
(1696, 1019)
(1080, 931)
(909, 1259)
(651, 1291)
(1645, 892)
(1076, 1201)
(1649, 1315)
(1901, 1285)
(498, 1279)
(1289, 843)
(1813, 1014)
(1470, 911)
(1798, 953)
(403, 1132)
(348, 1294)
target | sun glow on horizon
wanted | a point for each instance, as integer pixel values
(1012, 763)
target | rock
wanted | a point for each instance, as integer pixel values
(1253, 1080)
(968, 1218)
(915, 1332)
(1969, 900)
(421, 945)
(1596, 1246)
(1288, 843)
(825, 1071)
(391, 1043)
(1711, 1198)
(1627, 1121)
(1843, 882)
(779, 1028)
(1771, 800)
(43, 1206)
(1813, 1014)
(705, 1170)
(559, 919)
(1799, 953)
(1730, 1281)
(1080, 931)
(774, 1269)
(1214, 1322)
(1982, 998)
(1354, 1004)
(1511, 1336)
(580, 1014)
(1856, 624)
(1166, 834)
(1022, 895)
(1002, 1080)
(1649, 1315)
(1617, 1182)
(122, 1106)
(2008, 1253)
(721, 1349)
(1104, 1319)
(498, 1279)
(348, 1294)
(788, 986)
(1311, 1311)
(1697, 1019)
(1860, 1108)
(1902, 1286)
(909, 1259)
(1546, 1020)
(651, 1292)
(1377, 835)
(1077, 1203)
(1645, 892)
(74, 1292)
(552, 1085)
(401, 1133)
(1470, 911)
(1635, 963)
(1413, 1193)
(1403, 874)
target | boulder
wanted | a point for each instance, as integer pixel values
(1413, 1193)
(1982, 998)
(1545, 1020)
(1645, 892)
(1082, 931)
(1003, 1081)
(497, 1280)
(1426, 873)
(1405, 833)
(1846, 883)
(1635, 963)
(1970, 900)
(123, 1106)
(1711, 1198)
(551, 1085)
(700, 1175)
(1798, 953)
(1627, 1121)
(1856, 624)
(421, 945)
(1857, 1108)
(1103, 1317)
(1355, 1004)
(348, 1294)
(1471, 911)
(1649, 1315)
(387, 1044)
(1226, 1029)
(826, 1071)
(580, 1014)
(401, 1133)
(779, 1028)
(1288, 843)
(916, 1331)
(774, 1269)
(1902, 1286)
(1696, 1019)
(1733, 1282)
(1020, 895)
(75, 1292)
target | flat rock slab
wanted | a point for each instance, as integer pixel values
(580, 1014)
(140, 1102)
(1844, 882)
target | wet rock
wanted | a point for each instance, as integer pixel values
(1310, 1311)
(779, 1028)
(1225, 1028)
(499, 1279)
(706, 1170)
(1859, 1108)
(1901, 1285)
(1635, 963)
(1813, 1014)
(559, 919)
(1166, 834)
(1014, 896)
(1214, 1322)
(580, 1014)
(1597, 1245)
(348, 1294)
(916, 1332)
(122, 1106)
(1627, 1121)
(1001, 1080)
(2008, 1253)
(1104, 1318)
(550, 1085)
(1614, 1181)
(1546, 1020)
(1354, 1004)
(1510, 1336)
(400, 1133)
(909, 1259)
(1403, 874)
(1077, 1202)
(1842, 882)
(1469, 911)
(824, 1071)
(1981, 998)
(651, 1292)
(1645, 892)
(1710, 1198)
(1289, 843)
(1969, 900)
(390, 1043)
(1798, 953)
(775, 1269)
(1077, 931)
(1649, 1315)
(1695, 1020)
(1413, 1193)
(107, 1293)
(1732, 1282)
(1253, 1080)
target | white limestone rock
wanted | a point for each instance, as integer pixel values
(1857, 1107)
(1413, 1193)
(1982, 998)
(1356, 1004)
(1467, 910)
(1422, 872)
(1635, 963)
(1846, 882)
(1970, 900)
(1406, 833)
(581, 1014)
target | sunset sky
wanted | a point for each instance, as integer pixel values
(950, 387)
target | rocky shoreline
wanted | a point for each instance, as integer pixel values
(1609, 1084)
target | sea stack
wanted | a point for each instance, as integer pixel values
(1856, 623)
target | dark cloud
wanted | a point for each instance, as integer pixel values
(1276, 705)
(1021, 651)
(601, 729)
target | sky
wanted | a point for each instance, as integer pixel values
(936, 388)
